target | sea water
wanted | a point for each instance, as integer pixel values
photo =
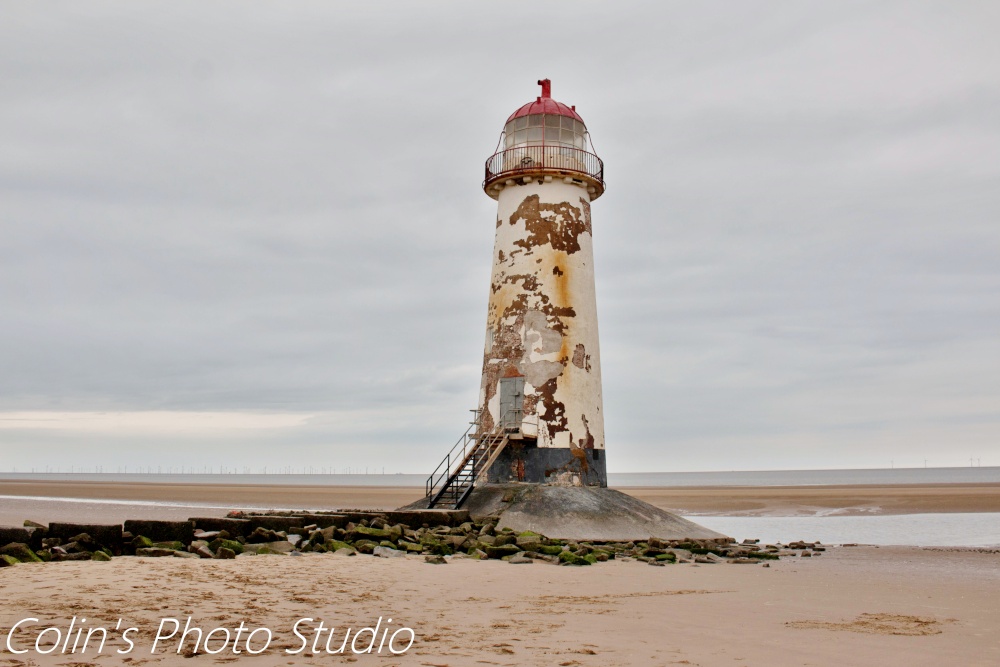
(972, 529)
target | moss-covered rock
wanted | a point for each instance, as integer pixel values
(502, 550)
(21, 552)
(142, 542)
(549, 549)
(439, 549)
(334, 545)
(172, 545)
(232, 545)
(100, 556)
(570, 558)
(365, 546)
(7, 561)
(411, 547)
(668, 557)
(375, 535)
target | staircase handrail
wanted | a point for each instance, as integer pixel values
(444, 472)
(463, 440)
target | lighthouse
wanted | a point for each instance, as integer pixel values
(533, 456)
(541, 377)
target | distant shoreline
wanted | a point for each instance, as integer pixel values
(38, 499)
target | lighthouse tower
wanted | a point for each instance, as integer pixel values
(541, 381)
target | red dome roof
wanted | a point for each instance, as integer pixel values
(545, 104)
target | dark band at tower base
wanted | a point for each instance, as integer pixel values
(524, 461)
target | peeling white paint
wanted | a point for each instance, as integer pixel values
(543, 311)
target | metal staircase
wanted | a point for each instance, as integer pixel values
(453, 480)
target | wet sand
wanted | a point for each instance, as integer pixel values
(858, 606)
(37, 500)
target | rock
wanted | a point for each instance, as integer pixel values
(570, 558)
(657, 563)
(435, 560)
(202, 551)
(322, 521)
(455, 541)
(336, 545)
(109, 536)
(162, 531)
(7, 561)
(479, 553)
(225, 554)
(529, 543)
(82, 555)
(501, 551)
(548, 549)
(154, 552)
(206, 535)
(142, 542)
(28, 523)
(364, 533)
(18, 535)
(185, 554)
(232, 545)
(432, 518)
(279, 547)
(261, 535)
(365, 546)
(743, 561)
(21, 552)
(520, 559)
(83, 542)
(504, 540)
(386, 552)
(276, 523)
(235, 527)
(487, 540)
(176, 546)
(345, 551)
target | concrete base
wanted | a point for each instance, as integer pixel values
(578, 513)
(525, 461)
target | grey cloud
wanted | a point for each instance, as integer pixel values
(277, 208)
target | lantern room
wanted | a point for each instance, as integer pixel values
(544, 138)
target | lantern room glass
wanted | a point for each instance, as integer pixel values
(545, 129)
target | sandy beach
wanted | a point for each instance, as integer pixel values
(885, 606)
(38, 500)
(858, 606)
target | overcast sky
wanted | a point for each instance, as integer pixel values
(253, 234)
